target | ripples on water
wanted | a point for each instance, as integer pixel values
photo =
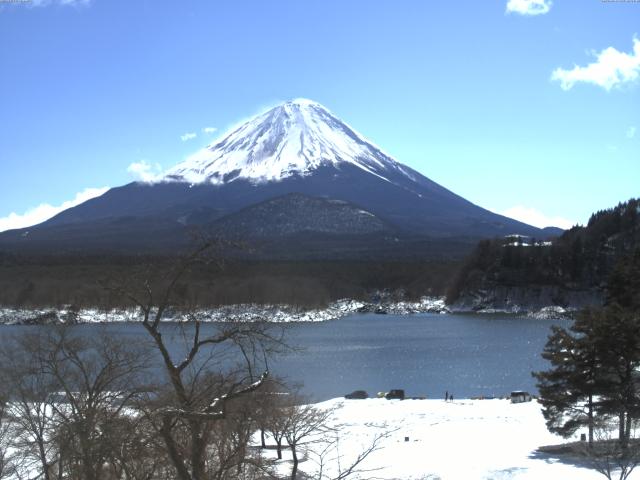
(425, 354)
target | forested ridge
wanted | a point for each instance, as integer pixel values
(580, 260)
(54, 281)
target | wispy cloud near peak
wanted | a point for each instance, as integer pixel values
(145, 171)
(529, 7)
(188, 136)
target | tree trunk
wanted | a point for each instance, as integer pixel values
(60, 466)
(43, 459)
(262, 439)
(198, 451)
(294, 469)
(590, 420)
(621, 433)
(88, 468)
(174, 453)
(279, 448)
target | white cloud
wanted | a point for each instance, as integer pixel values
(188, 136)
(529, 7)
(536, 218)
(45, 211)
(611, 69)
(145, 171)
(209, 130)
(65, 3)
(631, 132)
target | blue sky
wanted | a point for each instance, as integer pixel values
(525, 107)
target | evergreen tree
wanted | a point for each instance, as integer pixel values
(618, 337)
(593, 372)
(568, 388)
(623, 288)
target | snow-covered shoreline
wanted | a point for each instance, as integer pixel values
(241, 312)
(544, 313)
(463, 439)
(273, 313)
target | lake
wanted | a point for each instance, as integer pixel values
(424, 354)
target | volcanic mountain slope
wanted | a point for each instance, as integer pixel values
(294, 214)
(297, 147)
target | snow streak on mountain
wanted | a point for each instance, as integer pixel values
(294, 138)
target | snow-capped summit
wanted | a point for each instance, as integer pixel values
(274, 180)
(294, 138)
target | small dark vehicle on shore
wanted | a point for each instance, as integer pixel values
(519, 396)
(395, 394)
(357, 395)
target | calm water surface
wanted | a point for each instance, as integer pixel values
(425, 354)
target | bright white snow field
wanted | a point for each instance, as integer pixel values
(464, 439)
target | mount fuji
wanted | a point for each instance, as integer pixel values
(295, 181)
(296, 138)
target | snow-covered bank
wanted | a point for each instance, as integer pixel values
(533, 300)
(464, 439)
(242, 312)
(544, 313)
(274, 313)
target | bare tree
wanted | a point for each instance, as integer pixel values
(303, 424)
(29, 403)
(98, 378)
(308, 426)
(68, 392)
(268, 419)
(231, 447)
(330, 455)
(201, 385)
(611, 456)
(139, 453)
(274, 420)
(7, 463)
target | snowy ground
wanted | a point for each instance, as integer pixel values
(464, 439)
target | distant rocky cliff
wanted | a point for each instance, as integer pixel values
(521, 299)
(520, 274)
